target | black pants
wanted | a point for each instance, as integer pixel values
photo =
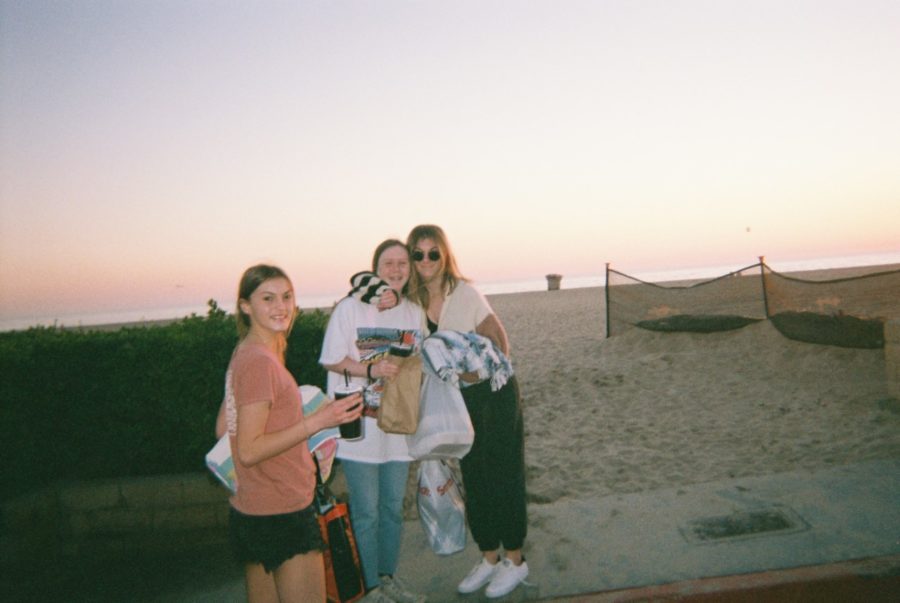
(494, 470)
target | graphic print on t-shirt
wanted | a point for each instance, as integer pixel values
(373, 344)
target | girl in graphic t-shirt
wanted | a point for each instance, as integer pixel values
(377, 465)
(272, 524)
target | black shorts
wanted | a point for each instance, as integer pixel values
(273, 539)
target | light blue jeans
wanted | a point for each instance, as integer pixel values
(376, 512)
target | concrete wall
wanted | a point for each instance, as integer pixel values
(114, 516)
(147, 514)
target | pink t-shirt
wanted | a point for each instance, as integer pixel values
(285, 482)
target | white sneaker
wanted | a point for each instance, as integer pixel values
(397, 591)
(480, 575)
(507, 577)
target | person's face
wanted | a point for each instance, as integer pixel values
(427, 259)
(271, 307)
(393, 267)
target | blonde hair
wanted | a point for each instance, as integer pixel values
(450, 274)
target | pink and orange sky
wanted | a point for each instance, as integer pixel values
(152, 150)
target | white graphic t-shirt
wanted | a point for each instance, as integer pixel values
(359, 331)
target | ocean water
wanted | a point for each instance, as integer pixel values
(489, 288)
(704, 272)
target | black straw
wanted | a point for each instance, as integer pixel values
(346, 377)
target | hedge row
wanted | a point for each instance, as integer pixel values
(84, 404)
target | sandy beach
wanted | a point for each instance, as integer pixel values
(646, 410)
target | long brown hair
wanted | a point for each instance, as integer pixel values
(252, 278)
(384, 246)
(450, 274)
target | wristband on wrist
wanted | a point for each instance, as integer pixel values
(369, 371)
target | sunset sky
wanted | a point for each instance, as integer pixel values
(151, 150)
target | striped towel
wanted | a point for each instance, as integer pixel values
(368, 288)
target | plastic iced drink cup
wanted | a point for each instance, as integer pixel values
(353, 429)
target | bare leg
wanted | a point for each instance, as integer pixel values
(301, 579)
(492, 557)
(260, 584)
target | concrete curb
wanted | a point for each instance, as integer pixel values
(872, 580)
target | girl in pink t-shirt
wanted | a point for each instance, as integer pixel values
(272, 525)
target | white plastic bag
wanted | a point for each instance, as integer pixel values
(441, 508)
(445, 429)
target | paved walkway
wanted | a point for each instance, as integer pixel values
(826, 535)
(681, 535)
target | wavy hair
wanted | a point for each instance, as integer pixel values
(449, 271)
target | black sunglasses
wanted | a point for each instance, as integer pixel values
(418, 255)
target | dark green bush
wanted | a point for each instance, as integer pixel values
(81, 404)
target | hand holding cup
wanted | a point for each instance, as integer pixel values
(348, 408)
(348, 403)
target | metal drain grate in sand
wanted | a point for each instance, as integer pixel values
(743, 524)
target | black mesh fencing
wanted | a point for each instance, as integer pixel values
(847, 312)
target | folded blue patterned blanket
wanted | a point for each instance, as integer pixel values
(449, 353)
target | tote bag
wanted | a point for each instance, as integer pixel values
(343, 571)
(343, 574)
